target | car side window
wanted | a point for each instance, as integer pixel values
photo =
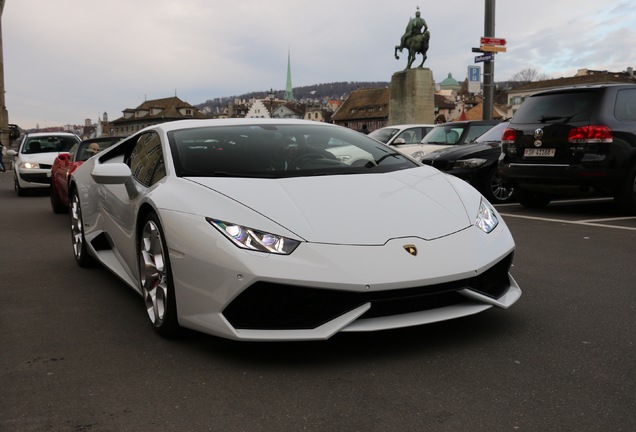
(625, 108)
(146, 159)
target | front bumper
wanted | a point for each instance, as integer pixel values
(322, 289)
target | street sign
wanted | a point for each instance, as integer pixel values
(493, 41)
(492, 48)
(485, 58)
(474, 79)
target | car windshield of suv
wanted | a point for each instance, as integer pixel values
(560, 107)
(274, 151)
(384, 134)
(51, 144)
(443, 134)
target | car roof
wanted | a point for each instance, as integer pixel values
(41, 134)
(187, 124)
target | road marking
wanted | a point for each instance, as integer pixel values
(589, 222)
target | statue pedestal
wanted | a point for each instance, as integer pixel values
(412, 99)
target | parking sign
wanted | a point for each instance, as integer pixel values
(474, 79)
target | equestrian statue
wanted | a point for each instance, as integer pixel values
(415, 39)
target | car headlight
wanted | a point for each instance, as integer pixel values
(251, 239)
(486, 217)
(469, 163)
(418, 155)
(29, 165)
(343, 158)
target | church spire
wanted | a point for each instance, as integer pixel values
(289, 95)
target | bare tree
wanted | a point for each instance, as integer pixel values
(529, 74)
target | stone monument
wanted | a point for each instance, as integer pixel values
(412, 89)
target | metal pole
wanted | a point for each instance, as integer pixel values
(489, 66)
(4, 115)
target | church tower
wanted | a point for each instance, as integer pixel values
(289, 95)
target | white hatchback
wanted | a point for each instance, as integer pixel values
(404, 138)
(33, 161)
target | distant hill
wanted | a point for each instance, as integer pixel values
(316, 92)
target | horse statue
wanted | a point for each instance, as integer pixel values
(416, 44)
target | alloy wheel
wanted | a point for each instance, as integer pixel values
(153, 273)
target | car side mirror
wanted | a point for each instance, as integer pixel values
(12, 153)
(399, 141)
(111, 173)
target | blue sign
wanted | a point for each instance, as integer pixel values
(484, 58)
(474, 73)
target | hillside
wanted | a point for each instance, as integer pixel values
(316, 92)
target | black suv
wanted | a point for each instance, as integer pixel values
(578, 141)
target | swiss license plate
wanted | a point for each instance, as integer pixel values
(539, 152)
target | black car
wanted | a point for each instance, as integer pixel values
(573, 142)
(476, 163)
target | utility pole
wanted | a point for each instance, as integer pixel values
(4, 114)
(489, 66)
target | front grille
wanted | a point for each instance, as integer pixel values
(272, 306)
(35, 178)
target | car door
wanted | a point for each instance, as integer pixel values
(120, 203)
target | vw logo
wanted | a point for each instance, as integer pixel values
(538, 134)
(410, 249)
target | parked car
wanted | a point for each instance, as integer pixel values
(573, 142)
(218, 237)
(455, 133)
(476, 163)
(66, 163)
(34, 158)
(405, 138)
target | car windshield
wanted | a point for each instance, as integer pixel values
(384, 134)
(273, 151)
(561, 107)
(444, 134)
(50, 144)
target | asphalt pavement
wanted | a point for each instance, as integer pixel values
(78, 355)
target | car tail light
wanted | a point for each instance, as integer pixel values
(590, 134)
(508, 136)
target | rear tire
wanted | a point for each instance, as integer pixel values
(531, 200)
(155, 278)
(626, 196)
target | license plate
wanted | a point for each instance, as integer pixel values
(539, 152)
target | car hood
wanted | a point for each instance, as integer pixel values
(367, 209)
(464, 150)
(41, 158)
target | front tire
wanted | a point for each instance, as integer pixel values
(56, 202)
(155, 278)
(19, 189)
(626, 196)
(80, 251)
(496, 190)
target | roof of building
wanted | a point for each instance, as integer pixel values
(584, 77)
(365, 104)
(166, 108)
(450, 82)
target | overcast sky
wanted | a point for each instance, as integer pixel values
(69, 60)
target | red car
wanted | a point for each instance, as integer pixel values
(66, 163)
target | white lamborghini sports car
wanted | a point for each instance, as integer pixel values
(268, 229)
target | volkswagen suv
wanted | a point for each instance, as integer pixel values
(568, 142)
